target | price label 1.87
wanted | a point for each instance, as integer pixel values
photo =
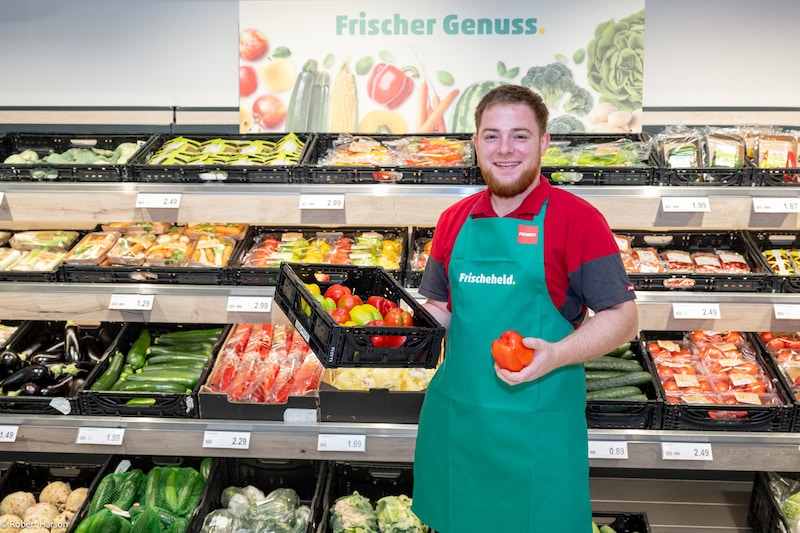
(776, 205)
(608, 449)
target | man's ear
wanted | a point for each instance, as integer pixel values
(545, 142)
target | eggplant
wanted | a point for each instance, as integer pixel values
(29, 389)
(72, 343)
(10, 362)
(38, 374)
(75, 386)
(44, 337)
(107, 335)
(92, 348)
(46, 358)
(58, 388)
(56, 347)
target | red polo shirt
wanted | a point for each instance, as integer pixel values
(583, 268)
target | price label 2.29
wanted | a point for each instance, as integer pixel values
(704, 311)
(686, 451)
(237, 440)
(608, 449)
(8, 433)
(341, 443)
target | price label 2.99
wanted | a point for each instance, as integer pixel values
(341, 443)
(608, 449)
(237, 440)
(321, 201)
(249, 304)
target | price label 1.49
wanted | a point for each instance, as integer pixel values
(685, 205)
(157, 201)
(8, 433)
(686, 451)
(608, 449)
(104, 436)
(249, 304)
(131, 302)
(237, 440)
(341, 443)
(696, 311)
(321, 201)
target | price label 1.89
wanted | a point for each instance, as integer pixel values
(608, 449)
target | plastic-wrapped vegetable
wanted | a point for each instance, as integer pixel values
(395, 516)
(221, 521)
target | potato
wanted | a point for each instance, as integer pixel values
(40, 514)
(10, 523)
(16, 503)
(56, 492)
(76, 499)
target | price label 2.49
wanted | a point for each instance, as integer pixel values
(695, 311)
(686, 451)
(157, 201)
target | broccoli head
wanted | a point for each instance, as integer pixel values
(552, 81)
(580, 102)
(565, 124)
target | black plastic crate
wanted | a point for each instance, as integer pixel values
(44, 144)
(36, 333)
(763, 241)
(210, 171)
(268, 275)
(369, 406)
(147, 274)
(764, 513)
(781, 363)
(630, 414)
(307, 478)
(314, 172)
(622, 522)
(722, 416)
(161, 404)
(691, 241)
(644, 174)
(342, 346)
(707, 176)
(419, 237)
(776, 177)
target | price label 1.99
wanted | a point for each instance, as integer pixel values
(104, 436)
(686, 451)
(685, 205)
(321, 201)
(249, 304)
(8, 433)
(341, 443)
(157, 201)
(131, 302)
(776, 205)
(703, 311)
(608, 449)
(237, 440)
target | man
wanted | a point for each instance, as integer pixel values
(501, 451)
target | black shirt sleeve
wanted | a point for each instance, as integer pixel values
(434, 281)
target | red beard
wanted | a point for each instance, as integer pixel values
(509, 189)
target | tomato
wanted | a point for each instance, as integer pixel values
(385, 341)
(670, 386)
(398, 317)
(269, 111)
(775, 344)
(381, 304)
(733, 337)
(252, 45)
(336, 291)
(766, 336)
(509, 352)
(340, 315)
(248, 81)
(348, 301)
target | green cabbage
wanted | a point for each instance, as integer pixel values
(395, 516)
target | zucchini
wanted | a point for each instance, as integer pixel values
(177, 359)
(138, 350)
(629, 378)
(150, 386)
(614, 393)
(190, 336)
(195, 368)
(619, 350)
(196, 348)
(297, 112)
(111, 374)
(188, 381)
(605, 362)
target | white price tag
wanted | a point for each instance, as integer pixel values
(8, 433)
(107, 436)
(131, 302)
(696, 311)
(679, 204)
(686, 451)
(2, 197)
(341, 443)
(321, 201)
(249, 304)
(608, 449)
(787, 311)
(237, 440)
(776, 205)
(157, 201)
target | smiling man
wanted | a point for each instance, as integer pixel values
(499, 450)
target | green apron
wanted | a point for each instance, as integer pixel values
(490, 457)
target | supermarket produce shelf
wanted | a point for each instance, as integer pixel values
(720, 451)
(90, 302)
(293, 203)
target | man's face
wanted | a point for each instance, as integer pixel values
(509, 148)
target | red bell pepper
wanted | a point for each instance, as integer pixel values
(383, 305)
(398, 317)
(509, 352)
(385, 341)
(389, 86)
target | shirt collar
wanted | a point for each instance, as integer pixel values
(530, 206)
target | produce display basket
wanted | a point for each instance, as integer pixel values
(776, 177)
(340, 346)
(147, 404)
(622, 522)
(65, 402)
(764, 513)
(369, 406)
(419, 236)
(696, 241)
(322, 143)
(784, 277)
(645, 173)
(784, 364)
(371, 480)
(307, 478)
(148, 274)
(707, 176)
(213, 168)
(629, 414)
(721, 416)
(44, 144)
(254, 244)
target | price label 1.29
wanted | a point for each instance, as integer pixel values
(686, 451)
(105, 436)
(341, 443)
(321, 201)
(131, 302)
(704, 311)
(8, 433)
(249, 304)
(237, 440)
(608, 449)
(685, 205)
(157, 201)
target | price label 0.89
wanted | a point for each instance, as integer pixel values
(249, 304)
(237, 440)
(341, 443)
(8, 433)
(157, 201)
(105, 436)
(685, 205)
(695, 311)
(776, 205)
(131, 302)
(686, 451)
(321, 201)
(608, 449)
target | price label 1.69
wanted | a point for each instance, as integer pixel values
(686, 451)
(8, 433)
(131, 302)
(105, 436)
(608, 449)
(696, 311)
(341, 443)
(237, 440)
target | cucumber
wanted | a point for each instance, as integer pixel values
(186, 359)
(614, 393)
(605, 362)
(190, 336)
(629, 378)
(604, 374)
(619, 350)
(199, 348)
(151, 386)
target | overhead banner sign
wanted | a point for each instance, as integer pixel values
(421, 67)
